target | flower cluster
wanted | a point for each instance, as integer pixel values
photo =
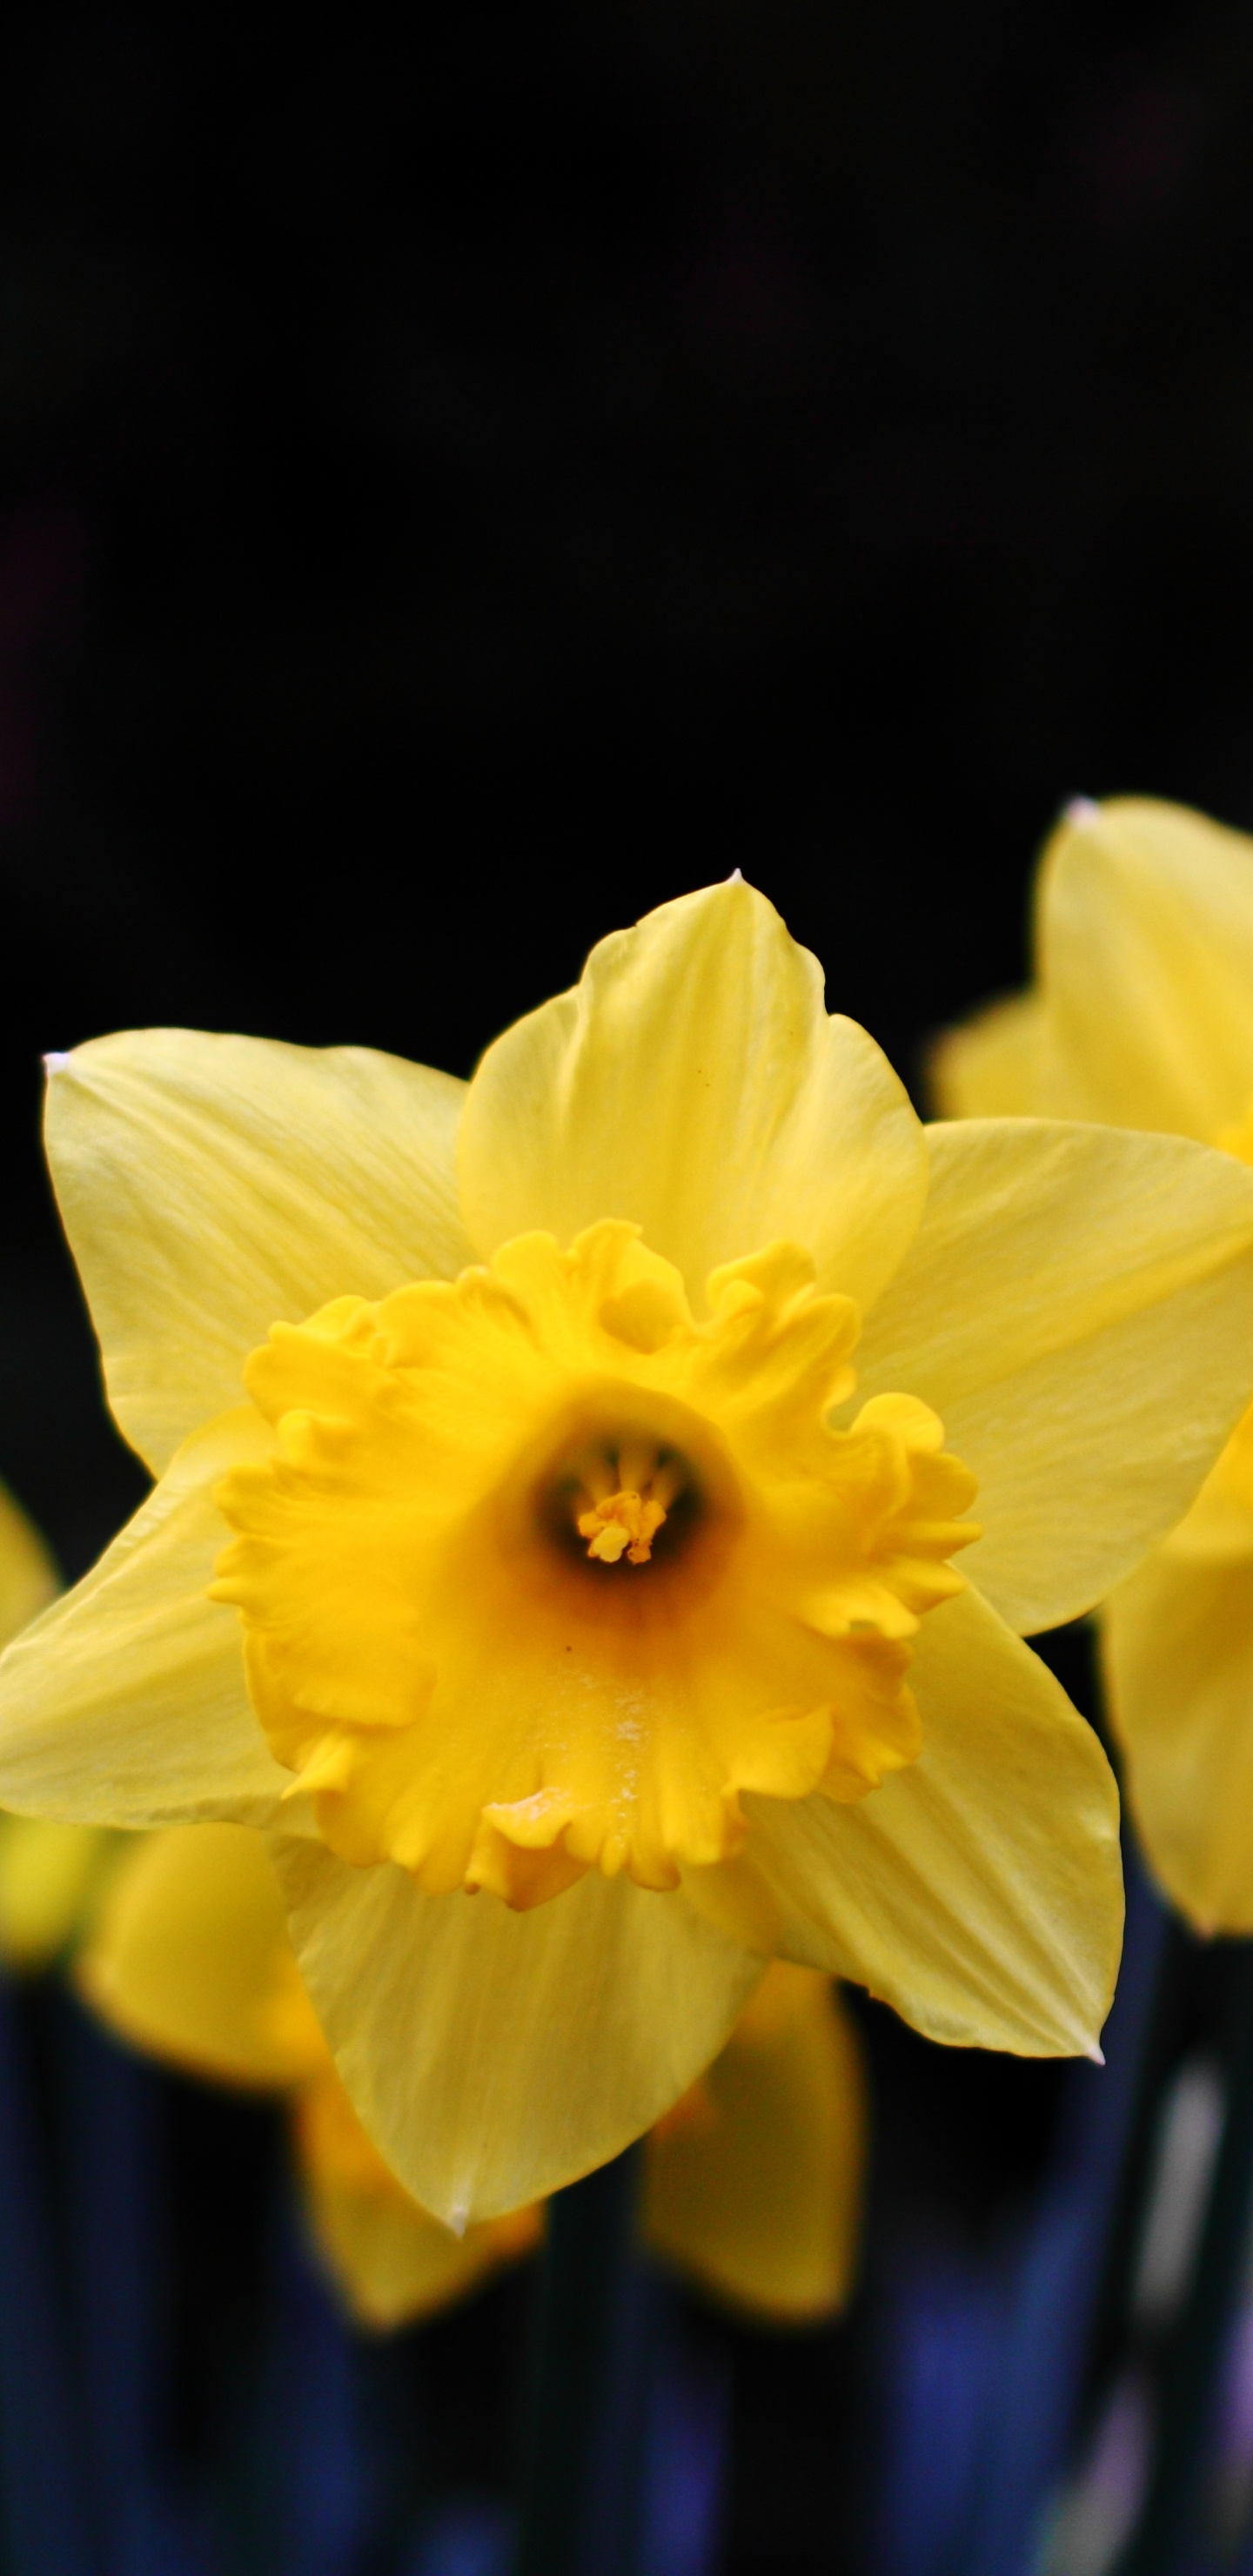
(598, 1512)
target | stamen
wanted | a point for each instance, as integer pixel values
(624, 1523)
(637, 1462)
(593, 1471)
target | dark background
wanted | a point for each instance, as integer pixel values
(456, 492)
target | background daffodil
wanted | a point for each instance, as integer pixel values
(559, 1480)
(27, 1575)
(46, 1868)
(752, 2182)
(1142, 1016)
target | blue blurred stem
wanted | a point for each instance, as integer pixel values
(43, 2510)
(108, 2103)
(580, 2506)
(1054, 2296)
(1165, 2541)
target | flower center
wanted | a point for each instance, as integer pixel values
(622, 1522)
(543, 1574)
(623, 1497)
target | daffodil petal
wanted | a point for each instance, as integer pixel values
(758, 2196)
(1146, 947)
(391, 2262)
(693, 1083)
(980, 1892)
(49, 1874)
(213, 1186)
(188, 1958)
(1003, 1063)
(1078, 1308)
(1178, 1650)
(125, 1703)
(493, 2055)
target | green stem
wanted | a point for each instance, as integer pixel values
(578, 2504)
(1164, 2541)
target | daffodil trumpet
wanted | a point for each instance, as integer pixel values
(598, 1511)
(1142, 1016)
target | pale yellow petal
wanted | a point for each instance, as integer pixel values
(1003, 1063)
(125, 1703)
(693, 1083)
(49, 1874)
(756, 2195)
(494, 2056)
(189, 1959)
(1218, 1530)
(390, 2261)
(28, 1576)
(1146, 951)
(210, 1186)
(1178, 1649)
(1078, 1308)
(979, 1892)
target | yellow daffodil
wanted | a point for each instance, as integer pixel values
(46, 1868)
(559, 1480)
(1142, 1016)
(753, 2180)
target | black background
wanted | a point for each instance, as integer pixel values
(460, 489)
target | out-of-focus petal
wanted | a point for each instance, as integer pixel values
(1078, 1308)
(980, 1891)
(1003, 1063)
(189, 1959)
(213, 1186)
(492, 2055)
(1178, 1645)
(28, 1577)
(693, 1083)
(391, 2262)
(49, 1874)
(125, 1703)
(756, 2192)
(1145, 918)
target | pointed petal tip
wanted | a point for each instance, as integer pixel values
(1081, 811)
(1095, 2054)
(56, 1062)
(457, 2218)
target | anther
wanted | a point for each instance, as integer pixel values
(622, 1525)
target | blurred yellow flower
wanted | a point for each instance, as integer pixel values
(1142, 1016)
(46, 1868)
(753, 2181)
(28, 1576)
(566, 1566)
